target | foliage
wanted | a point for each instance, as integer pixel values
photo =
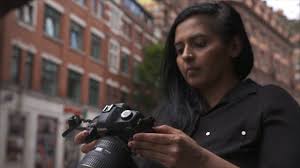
(147, 93)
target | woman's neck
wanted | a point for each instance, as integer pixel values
(218, 90)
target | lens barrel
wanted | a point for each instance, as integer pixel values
(110, 152)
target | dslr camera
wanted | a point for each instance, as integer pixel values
(112, 128)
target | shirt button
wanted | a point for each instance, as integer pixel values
(207, 133)
(243, 133)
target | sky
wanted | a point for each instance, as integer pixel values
(291, 8)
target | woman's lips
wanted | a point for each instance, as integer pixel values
(192, 71)
(191, 68)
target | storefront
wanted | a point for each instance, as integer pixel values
(30, 133)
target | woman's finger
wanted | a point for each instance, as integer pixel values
(166, 129)
(88, 147)
(141, 145)
(80, 137)
(163, 139)
(151, 155)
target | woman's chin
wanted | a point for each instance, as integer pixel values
(194, 83)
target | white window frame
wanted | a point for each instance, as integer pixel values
(97, 32)
(115, 18)
(125, 89)
(34, 18)
(99, 13)
(113, 83)
(140, 31)
(60, 9)
(125, 50)
(96, 77)
(52, 58)
(76, 68)
(114, 56)
(25, 46)
(138, 58)
(81, 5)
(76, 19)
(55, 5)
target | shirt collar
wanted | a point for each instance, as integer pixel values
(243, 89)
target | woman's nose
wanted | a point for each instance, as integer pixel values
(187, 53)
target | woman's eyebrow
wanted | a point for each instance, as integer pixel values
(197, 35)
(191, 37)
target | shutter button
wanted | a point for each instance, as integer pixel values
(127, 114)
(243, 133)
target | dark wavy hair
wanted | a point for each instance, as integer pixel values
(183, 105)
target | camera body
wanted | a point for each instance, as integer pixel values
(113, 128)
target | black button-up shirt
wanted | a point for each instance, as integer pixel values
(253, 126)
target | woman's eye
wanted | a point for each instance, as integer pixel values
(199, 44)
(179, 50)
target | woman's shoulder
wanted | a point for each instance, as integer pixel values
(276, 94)
(268, 89)
(276, 99)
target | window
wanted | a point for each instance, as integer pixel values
(127, 29)
(133, 7)
(76, 36)
(111, 95)
(98, 8)
(137, 11)
(136, 77)
(74, 86)
(124, 63)
(124, 97)
(49, 78)
(113, 57)
(46, 142)
(25, 14)
(95, 46)
(139, 37)
(29, 70)
(115, 18)
(93, 92)
(16, 64)
(52, 22)
(80, 2)
(15, 144)
(297, 65)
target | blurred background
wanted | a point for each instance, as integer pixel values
(60, 58)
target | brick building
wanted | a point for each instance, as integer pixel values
(72, 56)
(273, 50)
(64, 57)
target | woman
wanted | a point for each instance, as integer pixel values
(215, 118)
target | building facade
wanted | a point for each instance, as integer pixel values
(274, 52)
(59, 58)
(75, 56)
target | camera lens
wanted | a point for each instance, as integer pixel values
(110, 152)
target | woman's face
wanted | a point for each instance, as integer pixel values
(202, 57)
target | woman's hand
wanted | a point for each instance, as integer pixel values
(79, 139)
(169, 146)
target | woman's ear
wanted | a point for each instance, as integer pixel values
(236, 47)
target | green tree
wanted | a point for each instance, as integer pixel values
(147, 84)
